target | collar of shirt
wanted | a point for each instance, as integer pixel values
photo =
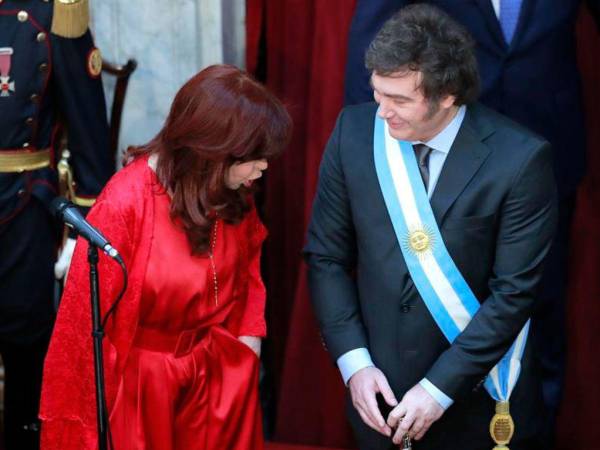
(445, 138)
(496, 6)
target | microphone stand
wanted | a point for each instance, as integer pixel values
(97, 335)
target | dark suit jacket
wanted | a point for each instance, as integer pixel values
(495, 204)
(534, 80)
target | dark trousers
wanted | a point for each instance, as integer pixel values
(28, 247)
(23, 381)
(465, 426)
(384, 443)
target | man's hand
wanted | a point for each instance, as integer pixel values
(364, 386)
(415, 414)
(253, 342)
(61, 267)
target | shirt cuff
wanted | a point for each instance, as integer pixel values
(438, 395)
(354, 360)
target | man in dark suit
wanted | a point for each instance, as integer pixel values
(527, 62)
(492, 194)
(49, 75)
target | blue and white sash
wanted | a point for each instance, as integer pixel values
(436, 277)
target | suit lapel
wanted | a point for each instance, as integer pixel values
(487, 10)
(466, 155)
(493, 22)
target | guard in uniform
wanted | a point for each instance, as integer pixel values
(49, 75)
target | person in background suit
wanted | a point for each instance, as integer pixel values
(49, 74)
(492, 196)
(528, 68)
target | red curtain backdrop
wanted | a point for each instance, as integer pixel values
(579, 419)
(305, 58)
(305, 53)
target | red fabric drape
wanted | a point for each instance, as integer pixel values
(254, 16)
(305, 54)
(580, 414)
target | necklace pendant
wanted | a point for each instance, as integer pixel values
(211, 255)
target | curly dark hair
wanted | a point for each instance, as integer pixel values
(221, 116)
(423, 38)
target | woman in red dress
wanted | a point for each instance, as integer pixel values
(181, 351)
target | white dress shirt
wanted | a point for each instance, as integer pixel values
(496, 5)
(359, 358)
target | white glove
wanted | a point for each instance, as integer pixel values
(61, 267)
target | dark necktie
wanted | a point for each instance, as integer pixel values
(422, 152)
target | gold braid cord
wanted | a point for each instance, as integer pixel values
(66, 183)
(70, 18)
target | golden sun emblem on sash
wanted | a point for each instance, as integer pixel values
(419, 241)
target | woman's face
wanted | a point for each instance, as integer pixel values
(243, 173)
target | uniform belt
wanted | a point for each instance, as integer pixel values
(23, 160)
(179, 344)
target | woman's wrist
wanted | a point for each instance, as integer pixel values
(254, 342)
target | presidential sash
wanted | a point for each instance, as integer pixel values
(439, 282)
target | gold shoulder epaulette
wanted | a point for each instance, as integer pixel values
(71, 18)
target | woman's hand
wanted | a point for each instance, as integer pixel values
(253, 342)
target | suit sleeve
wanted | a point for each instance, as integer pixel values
(81, 101)
(330, 253)
(527, 223)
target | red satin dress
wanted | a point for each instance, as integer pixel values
(189, 383)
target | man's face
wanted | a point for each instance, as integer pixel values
(409, 115)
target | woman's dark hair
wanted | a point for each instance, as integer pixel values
(219, 117)
(423, 38)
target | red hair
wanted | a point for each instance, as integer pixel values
(219, 117)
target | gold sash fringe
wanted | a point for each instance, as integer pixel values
(502, 426)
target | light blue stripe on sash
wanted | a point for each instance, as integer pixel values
(440, 253)
(508, 369)
(439, 312)
(503, 376)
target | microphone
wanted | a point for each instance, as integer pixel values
(68, 213)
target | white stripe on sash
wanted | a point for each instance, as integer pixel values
(436, 277)
(446, 294)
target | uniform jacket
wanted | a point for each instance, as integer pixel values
(51, 83)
